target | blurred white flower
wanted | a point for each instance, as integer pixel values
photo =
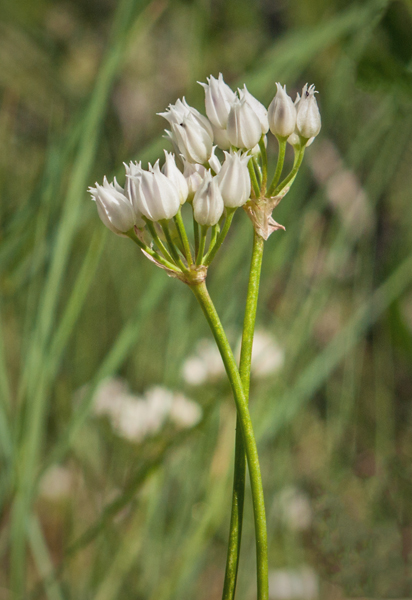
(205, 365)
(294, 509)
(56, 483)
(136, 418)
(293, 584)
(267, 356)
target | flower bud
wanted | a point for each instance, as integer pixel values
(257, 107)
(220, 137)
(114, 209)
(193, 140)
(194, 175)
(208, 204)
(175, 176)
(156, 196)
(218, 99)
(282, 114)
(133, 169)
(308, 122)
(234, 179)
(214, 162)
(243, 126)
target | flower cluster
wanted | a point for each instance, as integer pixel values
(219, 164)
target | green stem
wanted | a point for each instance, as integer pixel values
(213, 238)
(173, 251)
(236, 520)
(131, 234)
(183, 237)
(257, 172)
(202, 295)
(196, 235)
(228, 221)
(292, 174)
(157, 240)
(279, 166)
(264, 165)
(202, 244)
(255, 185)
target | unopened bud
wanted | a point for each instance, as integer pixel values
(194, 175)
(234, 179)
(156, 196)
(208, 204)
(282, 114)
(257, 107)
(308, 122)
(243, 127)
(220, 138)
(193, 140)
(218, 99)
(113, 207)
(175, 176)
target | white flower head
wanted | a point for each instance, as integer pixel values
(243, 127)
(156, 196)
(234, 179)
(113, 207)
(308, 121)
(257, 107)
(218, 100)
(175, 114)
(282, 113)
(221, 138)
(175, 176)
(208, 204)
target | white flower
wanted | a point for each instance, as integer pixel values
(243, 127)
(267, 356)
(185, 413)
(194, 175)
(193, 140)
(257, 107)
(221, 138)
(204, 365)
(176, 176)
(234, 179)
(155, 195)
(218, 99)
(294, 508)
(113, 207)
(134, 169)
(177, 112)
(214, 162)
(293, 584)
(208, 204)
(308, 122)
(282, 113)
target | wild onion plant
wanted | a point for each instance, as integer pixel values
(148, 210)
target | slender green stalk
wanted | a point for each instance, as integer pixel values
(292, 174)
(176, 258)
(202, 295)
(255, 185)
(228, 221)
(131, 234)
(202, 244)
(213, 238)
(257, 172)
(183, 236)
(196, 235)
(264, 165)
(236, 520)
(279, 166)
(158, 241)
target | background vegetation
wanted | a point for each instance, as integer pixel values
(80, 83)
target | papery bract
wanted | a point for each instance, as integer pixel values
(208, 204)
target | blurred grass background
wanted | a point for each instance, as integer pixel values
(80, 83)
